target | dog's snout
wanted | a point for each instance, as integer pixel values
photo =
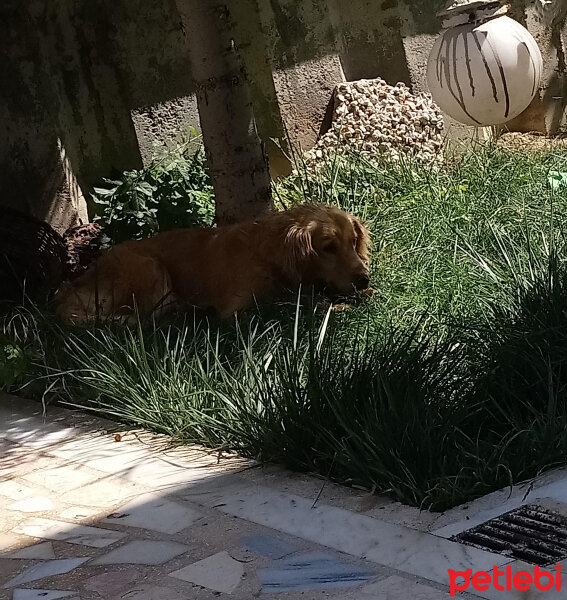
(362, 281)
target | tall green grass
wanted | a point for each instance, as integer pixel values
(449, 241)
(448, 383)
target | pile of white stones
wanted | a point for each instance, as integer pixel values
(375, 120)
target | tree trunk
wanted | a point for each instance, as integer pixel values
(235, 154)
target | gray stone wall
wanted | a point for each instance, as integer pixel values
(91, 88)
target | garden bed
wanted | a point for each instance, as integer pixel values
(448, 383)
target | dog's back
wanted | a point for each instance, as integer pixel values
(207, 267)
(223, 268)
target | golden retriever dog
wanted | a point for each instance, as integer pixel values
(224, 268)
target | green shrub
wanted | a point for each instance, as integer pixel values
(172, 191)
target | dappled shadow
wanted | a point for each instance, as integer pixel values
(555, 95)
(114, 515)
(107, 517)
(77, 73)
(64, 476)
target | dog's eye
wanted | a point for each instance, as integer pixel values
(331, 247)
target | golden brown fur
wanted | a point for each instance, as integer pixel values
(223, 268)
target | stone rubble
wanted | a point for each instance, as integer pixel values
(377, 120)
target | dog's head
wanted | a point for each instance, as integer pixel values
(327, 247)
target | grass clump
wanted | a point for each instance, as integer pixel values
(449, 241)
(449, 383)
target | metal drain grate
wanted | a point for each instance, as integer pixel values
(529, 533)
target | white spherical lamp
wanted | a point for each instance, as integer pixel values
(485, 68)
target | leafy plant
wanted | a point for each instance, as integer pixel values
(172, 191)
(20, 342)
(13, 363)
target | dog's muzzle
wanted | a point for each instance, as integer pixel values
(362, 281)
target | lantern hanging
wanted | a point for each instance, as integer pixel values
(485, 68)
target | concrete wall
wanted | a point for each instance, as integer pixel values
(91, 88)
(75, 78)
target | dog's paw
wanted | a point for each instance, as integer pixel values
(340, 307)
(368, 292)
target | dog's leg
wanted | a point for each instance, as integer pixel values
(232, 304)
(153, 291)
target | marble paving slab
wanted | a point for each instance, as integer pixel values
(219, 573)
(37, 594)
(142, 552)
(69, 532)
(42, 551)
(45, 569)
(310, 571)
(151, 511)
(267, 546)
(387, 544)
(398, 588)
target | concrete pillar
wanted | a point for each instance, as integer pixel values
(164, 124)
(34, 173)
(87, 97)
(372, 43)
(251, 39)
(303, 39)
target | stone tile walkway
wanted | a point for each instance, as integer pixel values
(88, 511)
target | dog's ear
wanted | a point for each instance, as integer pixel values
(299, 245)
(362, 240)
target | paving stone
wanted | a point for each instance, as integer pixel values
(121, 459)
(264, 545)
(242, 555)
(150, 592)
(15, 491)
(93, 475)
(155, 513)
(6, 446)
(213, 492)
(18, 460)
(10, 540)
(43, 551)
(103, 453)
(104, 494)
(384, 543)
(8, 570)
(34, 504)
(398, 588)
(311, 571)
(112, 582)
(36, 433)
(22, 594)
(78, 513)
(68, 532)
(142, 552)
(218, 572)
(62, 478)
(534, 594)
(164, 474)
(10, 519)
(46, 569)
(131, 460)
